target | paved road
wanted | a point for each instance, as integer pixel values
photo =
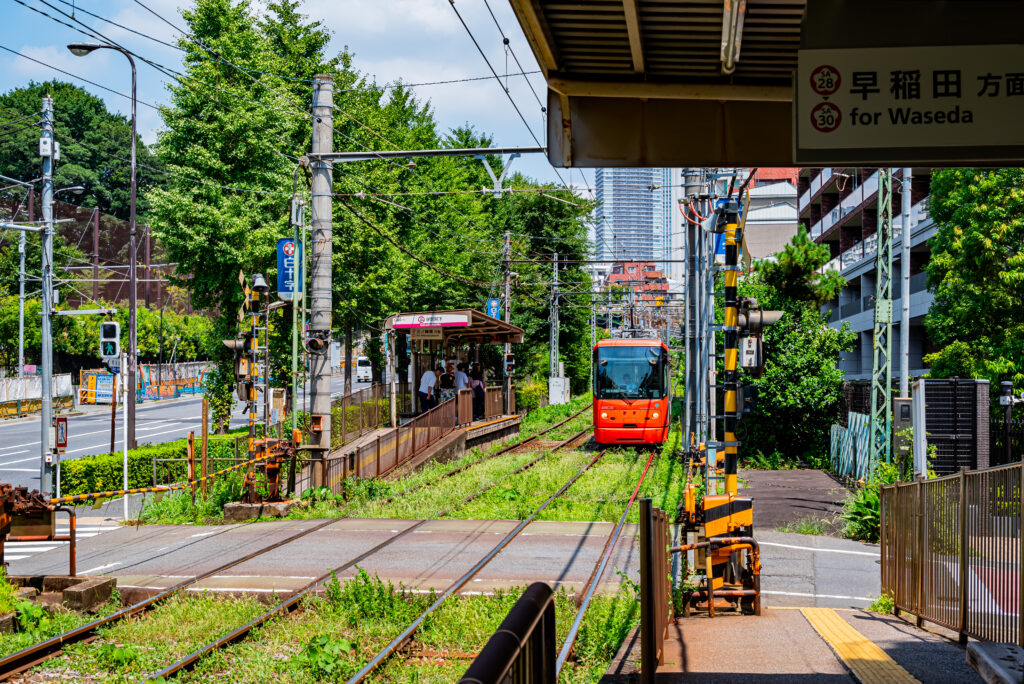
(89, 433)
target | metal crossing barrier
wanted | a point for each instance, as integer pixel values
(523, 649)
(951, 551)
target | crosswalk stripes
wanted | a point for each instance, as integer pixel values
(20, 550)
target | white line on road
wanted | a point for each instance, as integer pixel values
(20, 460)
(827, 596)
(21, 470)
(811, 548)
(102, 567)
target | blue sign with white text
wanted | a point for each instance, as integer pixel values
(494, 308)
(289, 268)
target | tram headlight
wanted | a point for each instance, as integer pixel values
(654, 415)
(604, 415)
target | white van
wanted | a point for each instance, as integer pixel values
(364, 371)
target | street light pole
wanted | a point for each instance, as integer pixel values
(80, 50)
(46, 362)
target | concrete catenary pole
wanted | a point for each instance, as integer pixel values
(508, 315)
(46, 424)
(691, 232)
(320, 264)
(553, 332)
(905, 286)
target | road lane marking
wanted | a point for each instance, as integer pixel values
(102, 567)
(828, 596)
(864, 658)
(20, 460)
(812, 548)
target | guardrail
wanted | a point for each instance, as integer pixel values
(363, 411)
(391, 450)
(951, 551)
(655, 590)
(523, 649)
(492, 402)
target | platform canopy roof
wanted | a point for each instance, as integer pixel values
(456, 326)
(677, 83)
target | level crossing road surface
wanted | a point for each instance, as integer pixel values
(89, 432)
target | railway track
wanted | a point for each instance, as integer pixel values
(21, 661)
(293, 602)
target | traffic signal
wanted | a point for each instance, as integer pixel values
(110, 340)
(510, 364)
(240, 347)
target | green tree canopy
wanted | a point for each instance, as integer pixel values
(795, 275)
(977, 272)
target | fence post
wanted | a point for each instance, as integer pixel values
(1020, 557)
(921, 508)
(378, 455)
(964, 512)
(191, 450)
(648, 619)
(206, 439)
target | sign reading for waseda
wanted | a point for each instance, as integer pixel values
(953, 103)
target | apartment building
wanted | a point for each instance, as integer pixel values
(839, 208)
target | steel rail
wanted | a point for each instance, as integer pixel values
(44, 650)
(49, 648)
(292, 602)
(499, 452)
(598, 572)
(402, 638)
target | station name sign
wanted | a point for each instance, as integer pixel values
(430, 320)
(901, 105)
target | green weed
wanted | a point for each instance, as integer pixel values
(884, 604)
(806, 525)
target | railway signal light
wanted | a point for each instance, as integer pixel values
(510, 364)
(240, 348)
(110, 340)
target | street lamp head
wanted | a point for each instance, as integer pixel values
(259, 284)
(73, 189)
(82, 49)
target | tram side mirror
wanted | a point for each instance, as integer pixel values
(653, 362)
(603, 362)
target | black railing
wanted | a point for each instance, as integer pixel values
(523, 649)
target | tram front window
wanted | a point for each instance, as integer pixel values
(630, 373)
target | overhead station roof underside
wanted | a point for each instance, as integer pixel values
(668, 83)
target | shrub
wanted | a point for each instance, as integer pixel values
(528, 396)
(862, 510)
(104, 472)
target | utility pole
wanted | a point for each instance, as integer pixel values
(320, 266)
(691, 233)
(553, 332)
(46, 147)
(905, 286)
(508, 315)
(21, 305)
(593, 333)
(298, 290)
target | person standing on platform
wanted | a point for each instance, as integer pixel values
(428, 384)
(446, 384)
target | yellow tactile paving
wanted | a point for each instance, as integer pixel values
(868, 662)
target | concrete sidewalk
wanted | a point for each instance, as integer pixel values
(784, 496)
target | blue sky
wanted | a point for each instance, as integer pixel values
(412, 40)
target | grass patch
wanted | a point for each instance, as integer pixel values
(338, 632)
(133, 648)
(806, 525)
(884, 604)
(36, 624)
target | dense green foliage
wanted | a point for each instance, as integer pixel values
(799, 390)
(95, 147)
(414, 251)
(977, 272)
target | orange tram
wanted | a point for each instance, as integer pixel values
(632, 395)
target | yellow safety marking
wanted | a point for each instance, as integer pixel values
(865, 659)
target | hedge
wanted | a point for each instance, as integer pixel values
(104, 472)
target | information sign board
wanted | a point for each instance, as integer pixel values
(901, 105)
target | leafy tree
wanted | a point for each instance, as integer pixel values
(794, 273)
(95, 147)
(977, 272)
(799, 390)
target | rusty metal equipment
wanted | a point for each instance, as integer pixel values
(268, 471)
(28, 516)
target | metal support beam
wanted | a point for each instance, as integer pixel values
(881, 371)
(636, 47)
(47, 145)
(906, 200)
(657, 90)
(329, 156)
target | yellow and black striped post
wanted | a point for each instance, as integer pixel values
(731, 376)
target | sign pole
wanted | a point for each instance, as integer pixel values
(124, 441)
